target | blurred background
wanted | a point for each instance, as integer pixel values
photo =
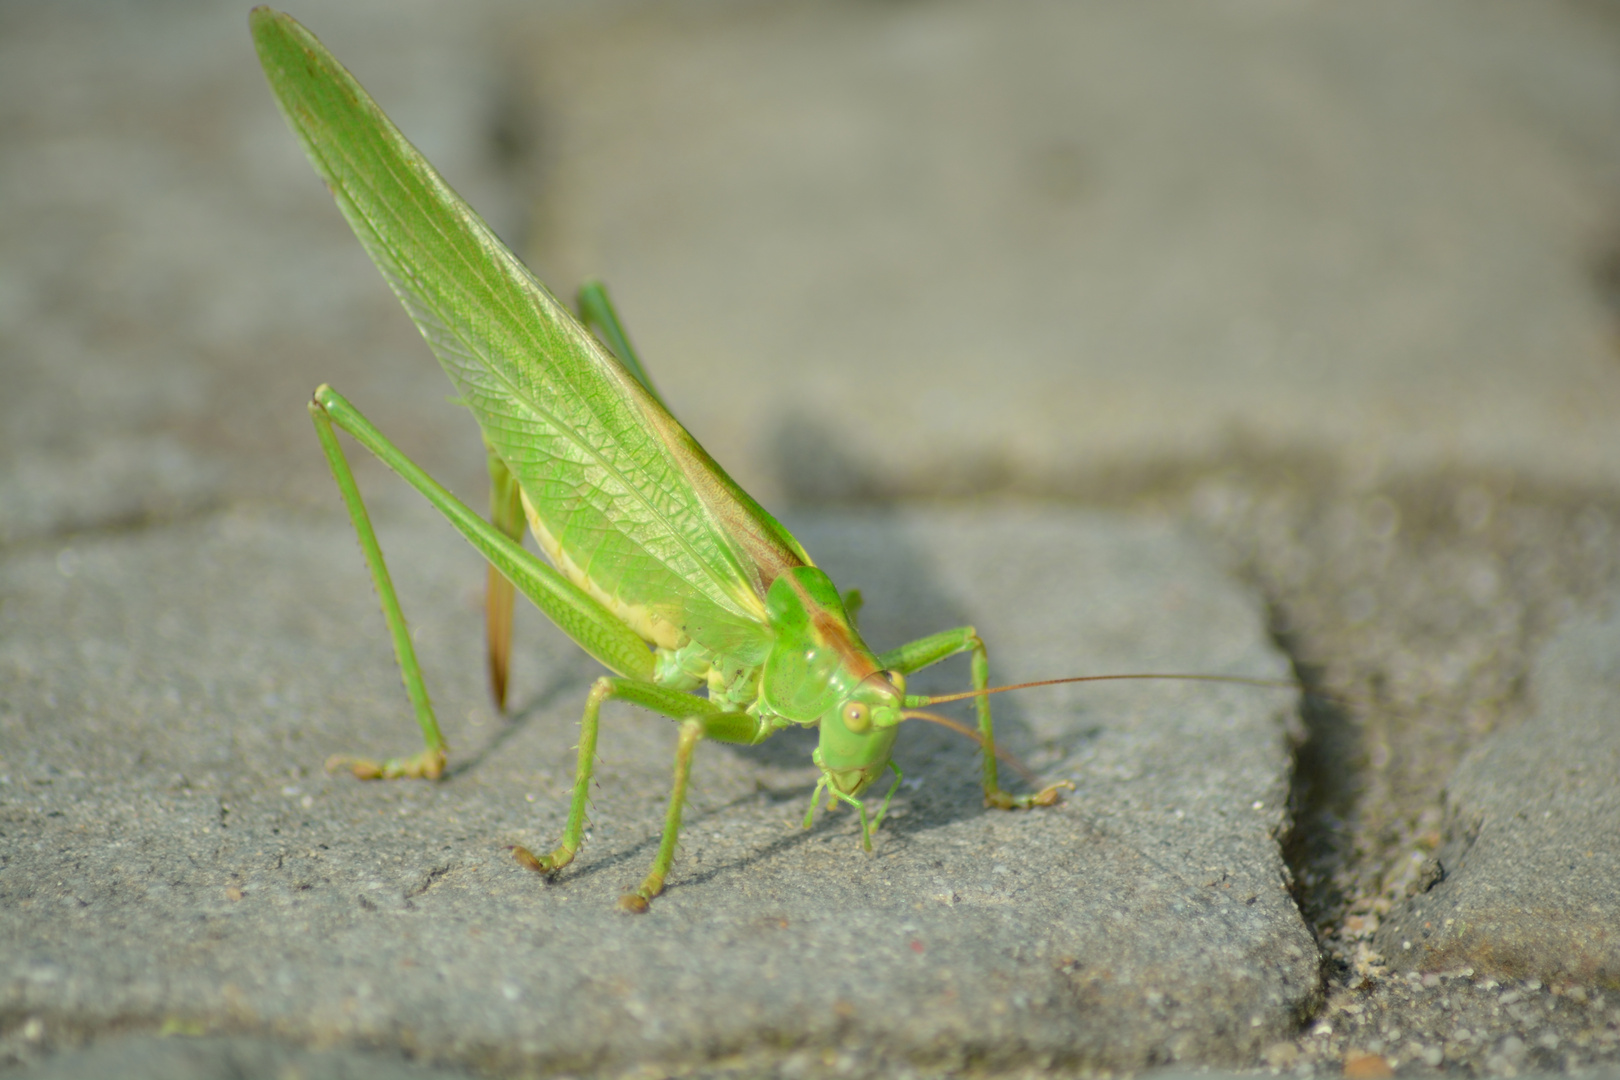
(868, 249)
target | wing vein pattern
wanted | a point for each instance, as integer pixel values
(628, 498)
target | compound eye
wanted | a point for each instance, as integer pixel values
(857, 717)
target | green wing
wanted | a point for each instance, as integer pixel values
(634, 508)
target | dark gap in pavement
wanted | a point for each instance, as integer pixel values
(1322, 795)
(1410, 601)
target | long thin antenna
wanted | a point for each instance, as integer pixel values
(962, 729)
(1239, 680)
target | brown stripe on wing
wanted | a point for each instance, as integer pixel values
(765, 548)
(836, 633)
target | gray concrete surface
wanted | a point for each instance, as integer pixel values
(176, 857)
(1332, 288)
(1524, 883)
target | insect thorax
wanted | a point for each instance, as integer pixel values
(694, 666)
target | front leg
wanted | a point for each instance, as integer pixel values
(930, 650)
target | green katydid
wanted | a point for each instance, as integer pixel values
(662, 568)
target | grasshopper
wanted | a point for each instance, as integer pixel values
(661, 567)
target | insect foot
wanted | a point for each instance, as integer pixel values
(636, 902)
(426, 765)
(541, 864)
(1047, 796)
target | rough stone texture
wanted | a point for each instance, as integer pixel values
(1339, 286)
(173, 856)
(1525, 884)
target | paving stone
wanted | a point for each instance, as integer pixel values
(1524, 885)
(174, 855)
